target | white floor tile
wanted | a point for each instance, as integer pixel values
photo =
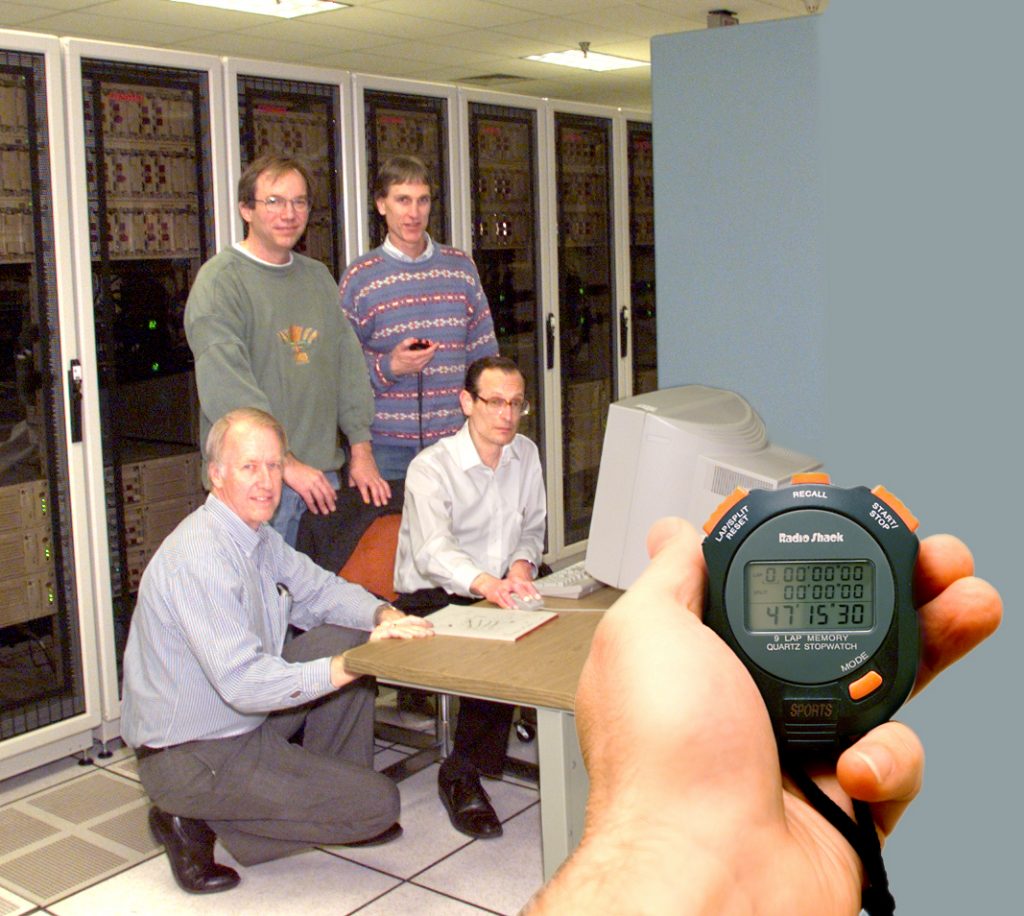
(450, 873)
(311, 883)
(408, 899)
(428, 834)
(501, 874)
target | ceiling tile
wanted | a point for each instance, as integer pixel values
(299, 31)
(85, 24)
(183, 15)
(459, 12)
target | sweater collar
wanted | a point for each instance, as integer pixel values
(242, 250)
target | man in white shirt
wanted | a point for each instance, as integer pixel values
(472, 528)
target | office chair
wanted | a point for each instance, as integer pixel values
(372, 563)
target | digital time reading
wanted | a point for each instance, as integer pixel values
(811, 586)
(830, 595)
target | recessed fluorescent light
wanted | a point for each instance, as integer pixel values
(286, 9)
(589, 61)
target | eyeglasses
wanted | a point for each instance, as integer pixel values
(497, 405)
(280, 204)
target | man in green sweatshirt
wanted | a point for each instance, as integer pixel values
(266, 331)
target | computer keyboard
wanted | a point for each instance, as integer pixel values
(569, 582)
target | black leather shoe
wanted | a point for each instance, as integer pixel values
(385, 836)
(189, 845)
(468, 805)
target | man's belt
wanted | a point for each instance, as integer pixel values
(143, 751)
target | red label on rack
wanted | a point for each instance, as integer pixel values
(121, 96)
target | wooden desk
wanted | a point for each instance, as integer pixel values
(540, 670)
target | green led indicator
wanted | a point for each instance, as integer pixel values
(155, 367)
(152, 324)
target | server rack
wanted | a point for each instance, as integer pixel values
(642, 299)
(304, 112)
(49, 701)
(504, 196)
(147, 198)
(399, 117)
(588, 318)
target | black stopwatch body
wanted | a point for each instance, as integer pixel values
(811, 586)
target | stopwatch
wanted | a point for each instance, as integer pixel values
(811, 585)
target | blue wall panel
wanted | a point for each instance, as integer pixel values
(839, 210)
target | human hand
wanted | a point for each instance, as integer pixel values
(500, 591)
(402, 628)
(363, 474)
(523, 571)
(406, 359)
(311, 484)
(686, 792)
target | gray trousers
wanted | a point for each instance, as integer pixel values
(265, 797)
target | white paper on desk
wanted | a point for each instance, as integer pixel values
(487, 622)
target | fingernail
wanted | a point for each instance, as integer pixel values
(880, 763)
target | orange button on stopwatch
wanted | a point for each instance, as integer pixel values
(865, 685)
(724, 506)
(811, 477)
(897, 505)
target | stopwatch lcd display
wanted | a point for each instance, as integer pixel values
(786, 596)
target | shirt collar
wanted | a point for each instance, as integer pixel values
(244, 536)
(392, 249)
(467, 455)
(241, 249)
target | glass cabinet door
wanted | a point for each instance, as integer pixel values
(587, 318)
(413, 125)
(641, 256)
(41, 672)
(504, 202)
(299, 119)
(151, 224)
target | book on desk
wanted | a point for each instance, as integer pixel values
(478, 622)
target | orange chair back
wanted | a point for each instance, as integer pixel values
(372, 564)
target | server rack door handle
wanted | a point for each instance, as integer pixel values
(623, 331)
(75, 395)
(550, 334)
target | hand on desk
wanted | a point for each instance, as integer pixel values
(402, 627)
(500, 591)
(393, 625)
(688, 810)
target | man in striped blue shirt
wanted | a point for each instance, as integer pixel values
(213, 692)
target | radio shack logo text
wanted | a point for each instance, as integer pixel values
(817, 537)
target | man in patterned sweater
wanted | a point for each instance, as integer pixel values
(421, 317)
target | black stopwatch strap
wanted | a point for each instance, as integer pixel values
(876, 899)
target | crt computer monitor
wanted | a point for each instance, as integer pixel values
(677, 451)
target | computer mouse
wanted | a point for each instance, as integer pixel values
(526, 602)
